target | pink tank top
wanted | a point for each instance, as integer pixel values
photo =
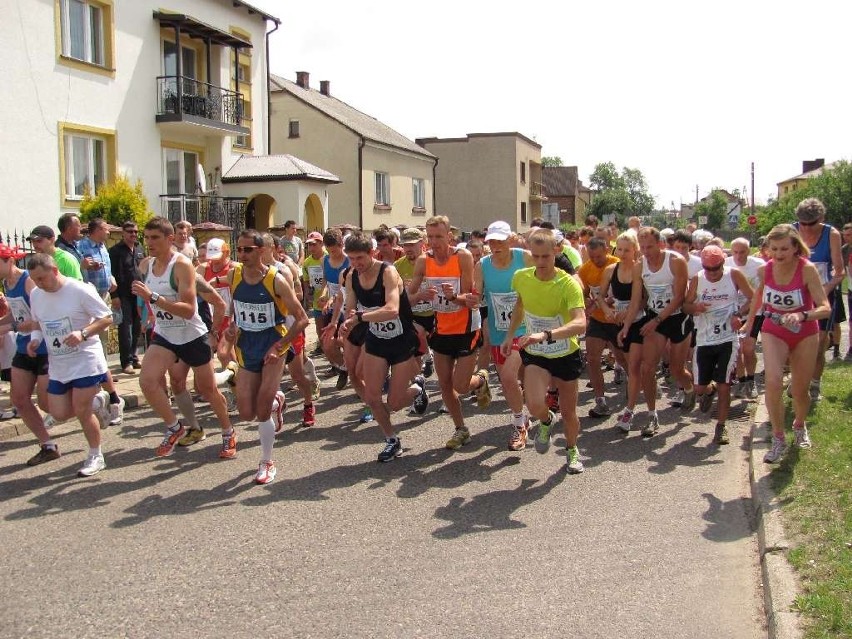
(792, 297)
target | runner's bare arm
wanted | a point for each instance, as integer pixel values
(390, 310)
(689, 301)
(212, 297)
(414, 292)
(284, 291)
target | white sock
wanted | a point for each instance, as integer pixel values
(223, 377)
(95, 451)
(49, 443)
(187, 408)
(428, 356)
(267, 439)
(518, 419)
(310, 369)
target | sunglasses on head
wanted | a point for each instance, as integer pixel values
(246, 249)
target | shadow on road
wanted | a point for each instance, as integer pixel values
(727, 520)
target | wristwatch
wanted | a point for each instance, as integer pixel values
(359, 315)
(84, 334)
(154, 297)
(548, 337)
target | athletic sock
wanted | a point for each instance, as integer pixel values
(266, 430)
(518, 419)
(95, 451)
(223, 377)
(113, 398)
(50, 444)
(748, 378)
(310, 369)
(187, 408)
(174, 427)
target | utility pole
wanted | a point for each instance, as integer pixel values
(696, 194)
(752, 188)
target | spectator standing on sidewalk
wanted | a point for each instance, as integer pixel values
(124, 261)
(70, 233)
(292, 243)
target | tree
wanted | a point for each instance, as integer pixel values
(715, 208)
(117, 202)
(551, 160)
(605, 176)
(623, 194)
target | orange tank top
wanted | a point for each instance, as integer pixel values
(450, 318)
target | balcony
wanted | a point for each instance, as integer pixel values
(197, 209)
(186, 104)
(537, 192)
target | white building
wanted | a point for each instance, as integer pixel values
(170, 93)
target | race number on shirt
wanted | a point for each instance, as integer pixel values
(383, 329)
(716, 327)
(538, 324)
(782, 300)
(165, 319)
(55, 332)
(659, 296)
(440, 303)
(254, 317)
(315, 277)
(423, 306)
(19, 309)
(503, 304)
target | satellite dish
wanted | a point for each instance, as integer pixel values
(200, 179)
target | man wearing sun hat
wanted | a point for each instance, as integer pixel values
(424, 314)
(712, 298)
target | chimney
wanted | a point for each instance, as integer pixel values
(811, 165)
(325, 87)
(303, 79)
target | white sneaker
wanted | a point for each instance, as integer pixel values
(116, 412)
(94, 464)
(625, 421)
(803, 440)
(779, 447)
(677, 401)
(100, 407)
(752, 390)
(266, 472)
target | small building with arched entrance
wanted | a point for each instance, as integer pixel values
(277, 188)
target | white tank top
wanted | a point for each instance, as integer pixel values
(175, 330)
(713, 326)
(659, 284)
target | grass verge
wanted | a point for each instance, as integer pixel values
(815, 487)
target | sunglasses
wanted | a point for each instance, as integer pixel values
(246, 249)
(712, 268)
(808, 223)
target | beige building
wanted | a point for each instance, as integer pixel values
(385, 177)
(810, 168)
(487, 176)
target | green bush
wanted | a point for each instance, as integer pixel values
(117, 202)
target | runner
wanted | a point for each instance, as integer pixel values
(550, 303)
(713, 300)
(180, 337)
(448, 272)
(69, 314)
(493, 276)
(262, 300)
(313, 282)
(332, 265)
(751, 267)
(375, 289)
(793, 300)
(215, 272)
(28, 372)
(424, 314)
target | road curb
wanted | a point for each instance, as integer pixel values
(780, 585)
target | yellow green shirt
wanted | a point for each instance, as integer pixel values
(405, 268)
(548, 305)
(312, 274)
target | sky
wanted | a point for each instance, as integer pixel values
(689, 92)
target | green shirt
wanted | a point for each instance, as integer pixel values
(573, 255)
(67, 264)
(547, 306)
(312, 274)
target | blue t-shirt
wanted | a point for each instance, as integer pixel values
(499, 296)
(19, 305)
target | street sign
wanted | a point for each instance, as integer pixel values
(752, 220)
(702, 220)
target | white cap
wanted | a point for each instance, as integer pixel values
(214, 248)
(666, 233)
(498, 231)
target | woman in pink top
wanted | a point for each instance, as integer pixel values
(790, 301)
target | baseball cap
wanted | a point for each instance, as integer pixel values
(666, 233)
(8, 251)
(411, 236)
(215, 248)
(498, 231)
(712, 256)
(313, 236)
(42, 231)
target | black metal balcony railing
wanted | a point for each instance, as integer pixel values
(179, 95)
(196, 209)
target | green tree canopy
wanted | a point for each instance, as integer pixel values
(623, 194)
(117, 202)
(715, 208)
(551, 160)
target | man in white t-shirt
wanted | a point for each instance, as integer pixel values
(70, 314)
(751, 267)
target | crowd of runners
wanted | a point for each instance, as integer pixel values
(394, 307)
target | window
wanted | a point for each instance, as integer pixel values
(244, 141)
(382, 189)
(418, 191)
(523, 212)
(523, 173)
(179, 169)
(188, 61)
(85, 164)
(294, 128)
(83, 36)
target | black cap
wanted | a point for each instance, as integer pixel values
(42, 231)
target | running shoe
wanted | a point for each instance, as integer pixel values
(803, 440)
(193, 436)
(542, 438)
(100, 407)
(459, 439)
(518, 440)
(229, 445)
(342, 378)
(9, 413)
(392, 449)
(650, 429)
(44, 454)
(266, 472)
(442, 409)
(688, 401)
(814, 392)
(308, 415)
(618, 377)
(625, 421)
(721, 435)
(170, 440)
(552, 400)
(94, 464)
(779, 447)
(751, 392)
(706, 402)
(278, 413)
(315, 389)
(574, 465)
(677, 400)
(421, 402)
(739, 390)
(483, 393)
(428, 368)
(366, 415)
(600, 409)
(232, 380)
(116, 412)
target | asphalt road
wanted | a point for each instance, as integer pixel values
(655, 539)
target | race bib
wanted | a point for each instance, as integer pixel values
(441, 304)
(822, 269)
(423, 306)
(503, 304)
(385, 329)
(19, 309)
(315, 278)
(254, 317)
(537, 324)
(659, 296)
(716, 327)
(332, 290)
(55, 332)
(783, 300)
(165, 319)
